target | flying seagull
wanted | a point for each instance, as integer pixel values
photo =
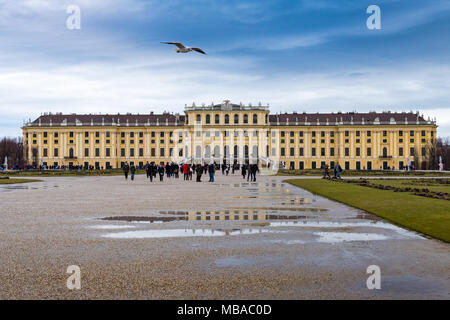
(182, 49)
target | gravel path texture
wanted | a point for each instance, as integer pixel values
(230, 239)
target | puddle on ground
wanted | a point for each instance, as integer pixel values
(330, 224)
(336, 237)
(209, 216)
(12, 187)
(110, 227)
(282, 209)
(181, 233)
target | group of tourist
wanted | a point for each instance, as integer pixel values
(249, 171)
(173, 170)
(337, 171)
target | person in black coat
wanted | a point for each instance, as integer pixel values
(244, 170)
(133, 171)
(126, 169)
(161, 172)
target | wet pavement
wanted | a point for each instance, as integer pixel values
(228, 239)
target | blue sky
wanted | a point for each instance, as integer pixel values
(304, 55)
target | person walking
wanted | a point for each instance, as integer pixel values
(151, 171)
(175, 171)
(133, 171)
(254, 169)
(126, 169)
(338, 170)
(147, 169)
(244, 170)
(161, 172)
(228, 169)
(199, 171)
(212, 171)
(326, 172)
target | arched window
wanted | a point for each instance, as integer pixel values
(207, 152)
(71, 153)
(216, 152)
(216, 119)
(227, 119)
(385, 152)
(245, 118)
(198, 152)
(226, 151)
(208, 119)
(236, 118)
(255, 152)
(199, 118)
(236, 152)
(255, 119)
(246, 152)
(267, 118)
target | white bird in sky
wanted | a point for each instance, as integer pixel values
(182, 49)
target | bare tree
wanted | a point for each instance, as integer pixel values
(443, 151)
(12, 148)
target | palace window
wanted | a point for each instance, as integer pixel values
(245, 118)
(236, 119)
(255, 119)
(216, 119)
(208, 119)
(227, 119)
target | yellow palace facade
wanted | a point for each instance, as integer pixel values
(234, 134)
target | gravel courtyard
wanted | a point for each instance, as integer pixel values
(230, 239)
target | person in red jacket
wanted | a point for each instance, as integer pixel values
(186, 171)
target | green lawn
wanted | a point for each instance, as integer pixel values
(13, 181)
(426, 215)
(431, 184)
(375, 173)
